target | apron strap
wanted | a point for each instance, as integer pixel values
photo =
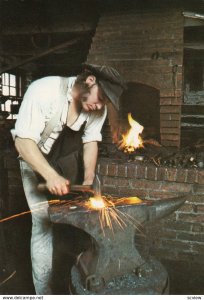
(55, 119)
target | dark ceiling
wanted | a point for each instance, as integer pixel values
(53, 37)
(46, 37)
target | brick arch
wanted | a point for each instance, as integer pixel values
(143, 78)
(143, 101)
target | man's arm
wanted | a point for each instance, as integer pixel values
(90, 159)
(30, 152)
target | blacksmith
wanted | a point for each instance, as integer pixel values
(55, 109)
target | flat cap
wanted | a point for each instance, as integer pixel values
(109, 80)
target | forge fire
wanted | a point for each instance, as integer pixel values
(134, 145)
(132, 139)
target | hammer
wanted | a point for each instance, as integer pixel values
(74, 188)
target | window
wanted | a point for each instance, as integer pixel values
(193, 75)
(11, 86)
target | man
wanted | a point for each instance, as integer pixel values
(74, 103)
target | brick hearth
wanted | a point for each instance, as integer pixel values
(148, 181)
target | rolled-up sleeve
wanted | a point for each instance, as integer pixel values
(94, 125)
(38, 106)
(31, 121)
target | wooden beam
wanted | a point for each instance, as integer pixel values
(44, 53)
(192, 19)
(13, 52)
(193, 15)
(195, 46)
(27, 53)
(69, 27)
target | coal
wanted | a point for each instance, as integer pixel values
(154, 153)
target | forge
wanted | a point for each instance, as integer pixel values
(113, 264)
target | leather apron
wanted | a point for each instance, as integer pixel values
(66, 155)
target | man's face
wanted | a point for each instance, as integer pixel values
(95, 99)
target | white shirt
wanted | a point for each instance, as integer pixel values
(39, 105)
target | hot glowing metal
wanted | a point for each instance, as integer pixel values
(96, 203)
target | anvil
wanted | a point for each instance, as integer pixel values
(114, 252)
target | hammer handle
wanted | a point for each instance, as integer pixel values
(74, 188)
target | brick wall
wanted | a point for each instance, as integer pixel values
(146, 47)
(178, 239)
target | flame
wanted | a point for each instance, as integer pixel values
(132, 139)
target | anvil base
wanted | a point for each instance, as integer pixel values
(150, 279)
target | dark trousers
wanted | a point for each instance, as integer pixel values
(66, 157)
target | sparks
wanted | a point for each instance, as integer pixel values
(109, 215)
(8, 278)
(38, 205)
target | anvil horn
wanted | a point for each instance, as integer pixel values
(165, 207)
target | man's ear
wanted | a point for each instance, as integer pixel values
(90, 80)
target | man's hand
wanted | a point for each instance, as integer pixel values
(58, 185)
(30, 152)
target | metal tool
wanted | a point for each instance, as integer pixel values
(94, 189)
(97, 186)
(116, 265)
(74, 188)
